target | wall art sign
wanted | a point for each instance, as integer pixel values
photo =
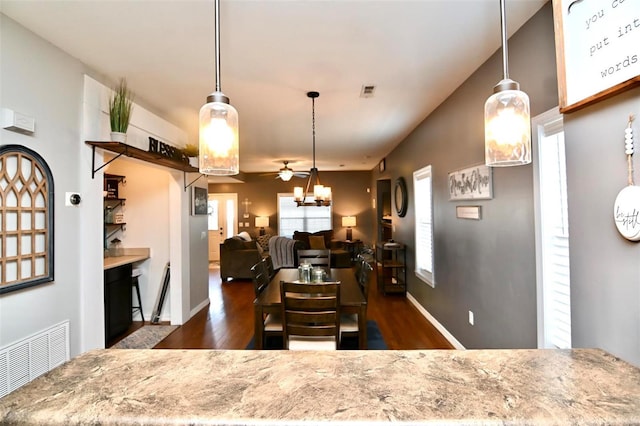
(472, 183)
(199, 201)
(468, 212)
(597, 49)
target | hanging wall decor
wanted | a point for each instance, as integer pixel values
(626, 210)
(26, 209)
(596, 50)
(471, 183)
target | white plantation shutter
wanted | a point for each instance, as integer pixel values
(309, 218)
(553, 239)
(423, 202)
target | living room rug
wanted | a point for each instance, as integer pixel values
(375, 341)
(146, 337)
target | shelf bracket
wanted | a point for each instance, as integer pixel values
(192, 182)
(93, 162)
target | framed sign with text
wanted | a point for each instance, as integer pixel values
(472, 183)
(597, 49)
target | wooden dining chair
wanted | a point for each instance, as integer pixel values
(311, 315)
(268, 265)
(349, 324)
(315, 258)
(260, 277)
(271, 323)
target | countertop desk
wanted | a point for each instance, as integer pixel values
(352, 301)
(243, 387)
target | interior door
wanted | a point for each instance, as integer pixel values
(223, 222)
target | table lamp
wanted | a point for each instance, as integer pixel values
(349, 221)
(262, 222)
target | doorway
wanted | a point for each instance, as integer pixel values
(222, 221)
(383, 215)
(552, 231)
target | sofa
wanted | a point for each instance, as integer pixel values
(237, 256)
(340, 258)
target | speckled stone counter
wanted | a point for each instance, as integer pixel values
(198, 387)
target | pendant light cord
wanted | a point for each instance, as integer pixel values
(629, 150)
(217, 42)
(313, 129)
(503, 27)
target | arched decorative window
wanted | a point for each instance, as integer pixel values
(26, 219)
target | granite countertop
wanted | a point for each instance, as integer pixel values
(130, 255)
(214, 387)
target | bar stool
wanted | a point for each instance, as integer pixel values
(135, 273)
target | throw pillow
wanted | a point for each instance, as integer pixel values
(260, 249)
(245, 236)
(263, 241)
(317, 242)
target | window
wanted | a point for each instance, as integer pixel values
(552, 231)
(423, 202)
(26, 219)
(305, 218)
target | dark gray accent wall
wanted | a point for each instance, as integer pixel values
(605, 267)
(486, 266)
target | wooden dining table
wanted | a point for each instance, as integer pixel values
(352, 301)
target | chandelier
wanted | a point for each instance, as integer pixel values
(507, 124)
(321, 193)
(219, 148)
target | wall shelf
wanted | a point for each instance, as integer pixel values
(133, 152)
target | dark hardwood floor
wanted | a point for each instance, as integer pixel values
(227, 323)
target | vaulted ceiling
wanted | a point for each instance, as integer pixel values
(415, 53)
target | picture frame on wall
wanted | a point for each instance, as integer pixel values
(471, 183)
(198, 201)
(382, 165)
(596, 50)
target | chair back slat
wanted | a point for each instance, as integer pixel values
(260, 277)
(268, 265)
(310, 310)
(315, 258)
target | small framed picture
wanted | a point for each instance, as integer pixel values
(199, 201)
(382, 166)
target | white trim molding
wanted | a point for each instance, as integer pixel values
(450, 338)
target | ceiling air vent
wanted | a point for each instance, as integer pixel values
(367, 91)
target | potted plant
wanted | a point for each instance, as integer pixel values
(191, 152)
(120, 106)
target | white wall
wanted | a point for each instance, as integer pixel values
(42, 82)
(39, 80)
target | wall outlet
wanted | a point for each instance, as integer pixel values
(471, 320)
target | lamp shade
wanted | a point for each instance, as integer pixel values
(507, 129)
(219, 148)
(348, 221)
(262, 221)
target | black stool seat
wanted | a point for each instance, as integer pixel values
(134, 282)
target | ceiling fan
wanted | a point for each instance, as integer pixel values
(286, 173)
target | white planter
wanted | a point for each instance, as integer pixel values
(118, 137)
(193, 162)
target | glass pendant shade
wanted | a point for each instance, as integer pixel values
(219, 147)
(298, 194)
(286, 175)
(507, 129)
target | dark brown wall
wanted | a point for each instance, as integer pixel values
(351, 197)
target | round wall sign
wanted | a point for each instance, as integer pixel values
(626, 212)
(400, 197)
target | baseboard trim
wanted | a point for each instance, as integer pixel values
(200, 307)
(450, 338)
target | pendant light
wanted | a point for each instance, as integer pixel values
(321, 193)
(507, 123)
(219, 147)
